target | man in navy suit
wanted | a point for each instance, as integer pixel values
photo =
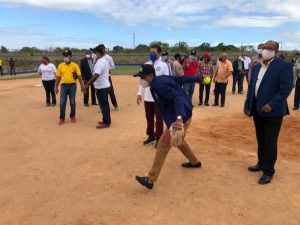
(270, 85)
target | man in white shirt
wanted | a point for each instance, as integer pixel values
(247, 62)
(151, 109)
(111, 90)
(100, 80)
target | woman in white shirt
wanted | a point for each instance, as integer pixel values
(47, 70)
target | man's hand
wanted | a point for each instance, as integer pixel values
(247, 112)
(56, 90)
(82, 89)
(266, 108)
(215, 79)
(139, 99)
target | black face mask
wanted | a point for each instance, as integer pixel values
(220, 59)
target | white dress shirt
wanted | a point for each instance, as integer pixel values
(261, 75)
(161, 68)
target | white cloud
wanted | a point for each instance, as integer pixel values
(245, 13)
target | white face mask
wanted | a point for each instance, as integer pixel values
(267, 54)
(88, 56)
(67, 59)
(144, 83)
(259, 51)
(94, 56)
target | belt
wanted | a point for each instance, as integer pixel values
(66, 84)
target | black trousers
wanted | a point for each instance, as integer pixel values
(112, 94)
(267, 132)
(102, 96)
(220, 89)
(1, 70)
(49, 88)
(87, 94)
(201, 92)
(297, 94)
(239, 80)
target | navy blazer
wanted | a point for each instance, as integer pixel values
(170, 97)
(274, 89)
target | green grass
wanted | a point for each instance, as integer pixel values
(125, 70)
(19, 77)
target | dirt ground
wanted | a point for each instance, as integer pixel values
(77, 175)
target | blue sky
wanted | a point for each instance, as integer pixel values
(86, 23)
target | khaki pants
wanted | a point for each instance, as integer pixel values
(163, 149)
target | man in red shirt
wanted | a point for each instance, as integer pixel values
(190, 66)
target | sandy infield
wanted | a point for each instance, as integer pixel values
(77, 175)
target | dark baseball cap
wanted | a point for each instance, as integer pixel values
(145, 70)
(98, 48)
(193, 52)
(67, 52)
(165, 54)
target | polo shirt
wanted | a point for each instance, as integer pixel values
(47, 71)
(192, 67)
(101, 67)
(223, 69)
(161, 68)
(67, 71)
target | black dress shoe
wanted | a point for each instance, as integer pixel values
(190, 165)
(215, 104)
(145, 182)
(222, 105)
(255, 168)
(265, 179)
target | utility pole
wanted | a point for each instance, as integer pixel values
(281, 44)
(134, 40)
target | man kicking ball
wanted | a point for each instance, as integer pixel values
(176, 109)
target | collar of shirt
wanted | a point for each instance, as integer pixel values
(267, 65)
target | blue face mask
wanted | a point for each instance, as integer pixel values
(153, 57)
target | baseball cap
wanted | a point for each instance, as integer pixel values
(67, 52)
(145, 70)
(193, 52)
(206, 55)
(98, 48)
(165, 54)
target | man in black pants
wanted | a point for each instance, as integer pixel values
(238, 75)
(270, 85)
(297, 82)
(111, 90)
(86, 67)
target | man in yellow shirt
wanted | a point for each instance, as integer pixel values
(67, 74)
(223, 72)
(1, 65)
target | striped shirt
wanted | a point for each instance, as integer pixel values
(206, 69)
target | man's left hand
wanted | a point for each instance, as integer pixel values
(267, 108)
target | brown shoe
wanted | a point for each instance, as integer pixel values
(102, 126)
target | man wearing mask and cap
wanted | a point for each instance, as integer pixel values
(100, 80)
(66, 75)
(166, 58)
(151, 109)
(270, 85)
(223, 72)
(86, 67)
(205, 69)
(176, 109)
(111, 67)
(190, 66)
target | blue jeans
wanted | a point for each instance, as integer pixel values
(65, 91)
(102, 97)
(189, 89)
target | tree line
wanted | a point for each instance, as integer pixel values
(180, 46)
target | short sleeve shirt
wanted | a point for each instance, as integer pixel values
(47, 71)
(223, 69)
(101, 68)
(67, 72)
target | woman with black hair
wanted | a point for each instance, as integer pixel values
(47, 70)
